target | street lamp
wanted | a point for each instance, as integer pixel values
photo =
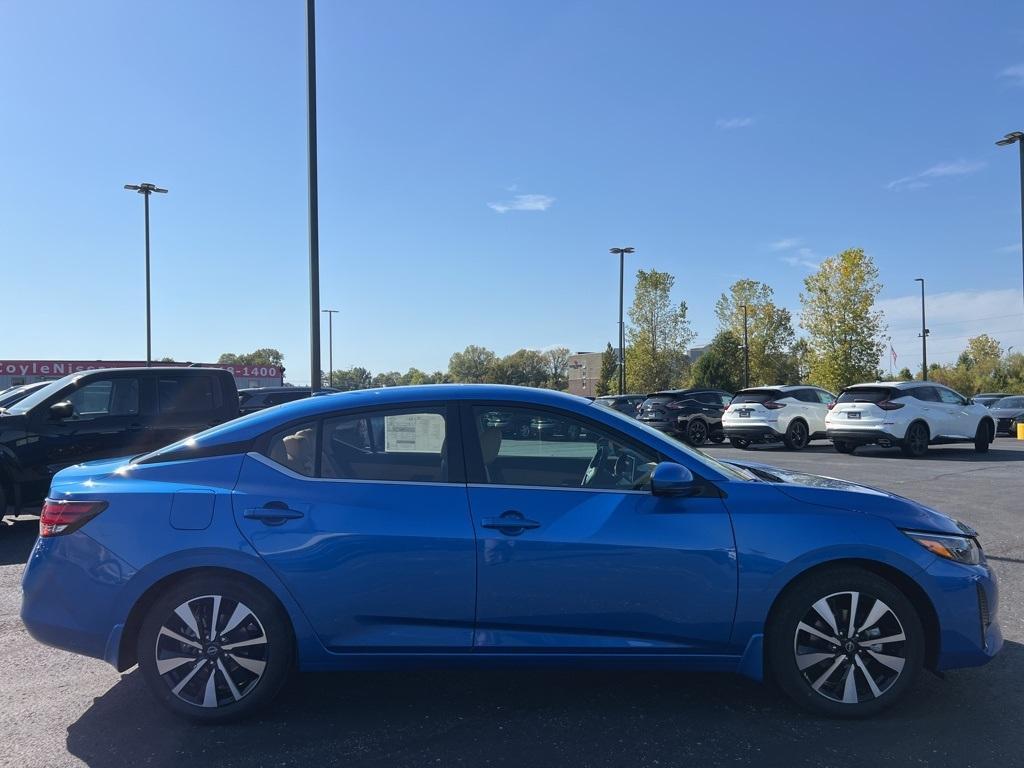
(330, 344)
(1018, 138)
(146, 189)
(924, 335)
(622, 326)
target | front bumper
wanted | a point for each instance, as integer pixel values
(755, 433)
(966, 600)
(862, 436)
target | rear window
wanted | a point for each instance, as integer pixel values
(865, 395)
(756, 396)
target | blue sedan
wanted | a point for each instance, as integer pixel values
(406, 526)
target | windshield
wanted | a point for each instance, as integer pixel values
(728, 470)
(40, 395)
(1009, 402)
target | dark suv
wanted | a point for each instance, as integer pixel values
(694, 415)
(258, 398)
(104, 414)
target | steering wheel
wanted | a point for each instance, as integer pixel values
(597, 464)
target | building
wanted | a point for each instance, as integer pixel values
(15, 372)
(694, 353)
(584, 373)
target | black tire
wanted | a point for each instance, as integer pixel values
(842, 447)
(237, 690)
(983, 436)
(797, 435)
(739, 442)
(697, 432)
(717, 437)
(915, 441)
(822, 684)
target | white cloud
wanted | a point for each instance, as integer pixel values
(952, 318)
(1014, 73)
(731, 123)
(523, 203)
(804, 257)
(937, 171)
(785, 244)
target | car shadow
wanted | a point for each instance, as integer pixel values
(950, 452)
(537, 717)
(17, 536)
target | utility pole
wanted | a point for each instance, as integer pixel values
(314, 215)
(146, 189)
(746, 351)
(924, 334)
(1017, 138)
(622, 326)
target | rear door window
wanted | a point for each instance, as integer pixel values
(926, 394)
(187, 394)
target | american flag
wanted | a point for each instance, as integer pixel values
(892, 352)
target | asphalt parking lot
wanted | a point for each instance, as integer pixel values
(62, 710)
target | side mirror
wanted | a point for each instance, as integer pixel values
(62, 410)
(671, 479)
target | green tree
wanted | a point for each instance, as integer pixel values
(609, 371)
(262, 356)
(905, 374)
(353, 378)
(721, 365)
(658, 335)
(524, 367)
(472, 365)
(557, 359)
(386, 379)
(769, 330)
(844, 330)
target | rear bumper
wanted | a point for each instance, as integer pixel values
(668, 426)
(862, 436)
(756, 433)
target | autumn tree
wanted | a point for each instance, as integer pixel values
(658, 335)
(606, 381)
(557, 359)
(472, 365)
(769, 329)
(721, 365)
(844, 330)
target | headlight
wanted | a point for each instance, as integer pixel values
(961, 549)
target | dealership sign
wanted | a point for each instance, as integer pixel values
(64, 367)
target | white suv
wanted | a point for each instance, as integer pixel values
(910, 414)
(793, 414)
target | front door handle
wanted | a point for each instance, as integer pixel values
(510, 523)
(273, 513)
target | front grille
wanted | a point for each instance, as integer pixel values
(1004, 425)
(983, 613)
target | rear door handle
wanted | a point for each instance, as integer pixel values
(510, 523)
(272, 515)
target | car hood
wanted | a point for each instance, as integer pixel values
(845, 495)
(1006, 413)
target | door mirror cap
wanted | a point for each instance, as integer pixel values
(671, 479)
(62, 410)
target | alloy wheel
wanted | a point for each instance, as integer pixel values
(917, 440)
(697, 432)
(798, 435)
(850, 647)
(211, 651)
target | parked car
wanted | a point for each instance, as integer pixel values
(1008, 412)
(908, 414)
(988, 398)
(254, 399)
(694, 415)
(792, 414)
(395, 527)
(13, 395)
(104, 413)
(627, 404)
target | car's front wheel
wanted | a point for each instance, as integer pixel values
(846, 643)
(983, 437)
(215, 648)
(717, 437)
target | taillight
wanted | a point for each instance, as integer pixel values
(831, 405)
(888, 405)
(773, 406)
(62, 517)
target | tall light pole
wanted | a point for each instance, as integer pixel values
(924, 334)
(746, 351)
(330, 344)
(146, 189)
(314, 216)
(1018, 138)
(622, 326)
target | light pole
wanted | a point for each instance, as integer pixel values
(146, 189)
(746, 351)
(1018, 138)
(622, 326)
(330, 344)
(924, 334)
(314, 220)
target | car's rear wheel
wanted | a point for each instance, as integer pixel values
(697, 432)
(983, 436)
(739, 442)
(915, 442)
(845, 643)
(842, 447)
(215, 648)
(797, 436)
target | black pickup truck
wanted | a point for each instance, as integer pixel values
(103, 414)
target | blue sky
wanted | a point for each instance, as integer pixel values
(478, 159)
